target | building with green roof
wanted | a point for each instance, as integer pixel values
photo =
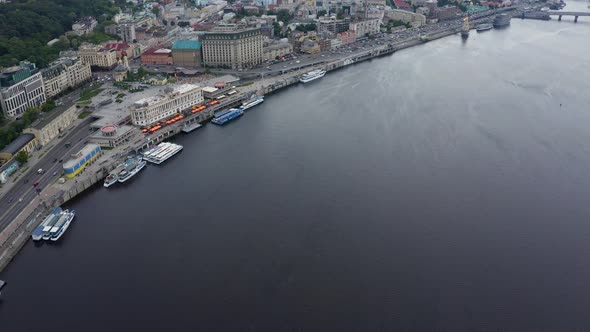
(186, 53)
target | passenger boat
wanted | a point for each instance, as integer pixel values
(162, 152)
(483, 27)
(49, 223)
(227, 116)
(312, 75)
(2, 284)
(62, 224)
(132, 167)
(38, 231)
(252, 102)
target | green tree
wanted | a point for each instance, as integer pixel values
(156, 11)
(321, 13)
(340, 14)
(22, 157)
(183, 24)
(284, 16)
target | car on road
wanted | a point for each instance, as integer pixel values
(40, 171)
(35, 184)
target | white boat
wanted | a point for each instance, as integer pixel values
(49, 222)
(312, 75)
(132, 167)
(110, 180)
(162, 152)
(38, 231)
(62, 224)
(251, 103)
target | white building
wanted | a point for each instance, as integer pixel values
(21, 88)
(127, 32)
(84, 26)
(64, 73)
(152, 109)
(416, 20)
(97, 56)
(362, 28)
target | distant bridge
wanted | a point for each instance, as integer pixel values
(560, 14)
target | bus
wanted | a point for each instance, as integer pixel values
(232, 92)
(220, 97)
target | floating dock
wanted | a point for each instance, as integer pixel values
(189, 128)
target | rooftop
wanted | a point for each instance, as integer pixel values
(18, 143)
(186, 45)
(88, 148)
(157, 50)
(46, 118)
(170, 91)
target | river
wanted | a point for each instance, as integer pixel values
(443, 188)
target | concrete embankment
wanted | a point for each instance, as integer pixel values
(13, 238)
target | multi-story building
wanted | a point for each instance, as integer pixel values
(366, 27)
(25, 142)
(446, 12)
(127, 32)
(332, 25)
(276, 51)
(150, 110)
(415, 19)
(98, 57)
(53, 124)
(84, 25)
(235, 49)
(21, 87)
(157, 55)
(64, 73)
(186, 53)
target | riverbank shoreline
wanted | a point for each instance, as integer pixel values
(18, 232)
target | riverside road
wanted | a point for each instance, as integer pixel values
(24, 190)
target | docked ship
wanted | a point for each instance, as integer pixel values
(252, 102)
(502, 20)
(483, 27)
(227, 116)
(131, 167)
(2, 284)
(62, 224)
(112, 178)
(312, 75)
(38, 231)
(50, 222)
(162, 152)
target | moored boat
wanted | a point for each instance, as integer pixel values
(62, 224)
(131, 167)
(38, 231)
(49, 222)
(483, 27)
(252, 102)
(312, 75)
(227, 116)
(502, 20)
(162, 152)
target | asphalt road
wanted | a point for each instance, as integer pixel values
(10, 206)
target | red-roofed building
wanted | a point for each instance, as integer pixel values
(120, 48)
(399, 4)
(157, 56)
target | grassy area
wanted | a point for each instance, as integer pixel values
(120, 95)
(84, 115)
(246, 84)
(87, 94)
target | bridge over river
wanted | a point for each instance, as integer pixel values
(561, 13)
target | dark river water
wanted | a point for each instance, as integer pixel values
(444, 188)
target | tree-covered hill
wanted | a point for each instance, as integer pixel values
(27, 25)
